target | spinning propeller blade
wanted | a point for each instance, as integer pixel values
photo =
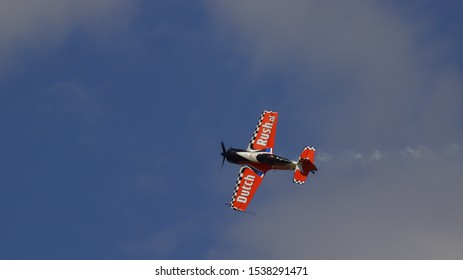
(224, 153)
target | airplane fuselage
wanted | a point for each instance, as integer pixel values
(261, 160)
(258, 159)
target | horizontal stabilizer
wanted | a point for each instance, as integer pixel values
(304, 165)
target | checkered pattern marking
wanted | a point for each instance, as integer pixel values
(237, 186)
(254, 135)
(300, 167)
(308, 148)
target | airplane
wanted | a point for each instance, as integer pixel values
(259, 158)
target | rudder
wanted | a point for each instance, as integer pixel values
(304, 165)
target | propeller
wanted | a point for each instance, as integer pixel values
(224, 153)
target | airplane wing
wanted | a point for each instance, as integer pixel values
(248, 181)
(264, 134)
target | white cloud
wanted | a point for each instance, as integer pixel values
(357, 156)
(365, 72)
(28, 25)
(420, 151)
(362, 68)
(323, 157)
(454, 149)
(403, 210)
(376, 155)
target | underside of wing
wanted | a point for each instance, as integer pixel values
(264, 134)
(247, 183)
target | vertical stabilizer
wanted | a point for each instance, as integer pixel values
(305, 165)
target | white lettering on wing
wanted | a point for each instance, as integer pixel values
(247, 185)
(266, 132)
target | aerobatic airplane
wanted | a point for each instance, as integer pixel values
(259, 158)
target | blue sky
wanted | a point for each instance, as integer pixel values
(112, 113)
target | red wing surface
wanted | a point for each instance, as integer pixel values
(264, 134)
(248, 181)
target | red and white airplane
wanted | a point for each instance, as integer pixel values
(258, 158)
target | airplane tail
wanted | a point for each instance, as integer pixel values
(305, 165)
